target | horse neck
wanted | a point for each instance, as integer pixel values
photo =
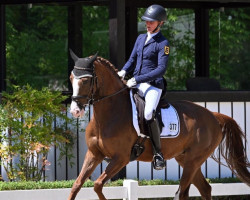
(107, 85)
(108, 82)
(113, 112)
(110, 108)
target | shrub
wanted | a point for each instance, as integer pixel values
(27, 131)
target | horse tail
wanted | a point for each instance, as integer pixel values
(232, 148)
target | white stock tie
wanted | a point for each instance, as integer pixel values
(148, 38)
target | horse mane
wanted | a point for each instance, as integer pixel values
(110, 66)
(106, 63)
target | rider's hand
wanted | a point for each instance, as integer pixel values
(131, 82)
(122, 73)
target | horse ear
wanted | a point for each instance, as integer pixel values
(73, 55)
(93, 58)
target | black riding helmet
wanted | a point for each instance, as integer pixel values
(155, 13)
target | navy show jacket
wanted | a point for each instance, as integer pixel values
(149, 61)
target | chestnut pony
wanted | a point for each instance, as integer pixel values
(110, 133)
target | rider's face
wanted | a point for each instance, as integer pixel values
(151, 25)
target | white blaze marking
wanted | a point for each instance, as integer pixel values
(75, 87)
(74, 109)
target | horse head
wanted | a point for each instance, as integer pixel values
(82, 80)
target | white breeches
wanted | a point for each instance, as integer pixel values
(152, 97)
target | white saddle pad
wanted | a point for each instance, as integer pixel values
(170, 120)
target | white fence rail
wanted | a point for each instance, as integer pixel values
(130, 190)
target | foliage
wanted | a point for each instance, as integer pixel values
(37, 44)
(31, 185)
(28, 130)
(229, 47)
(224, 180)
(95, 31)
(180, 33)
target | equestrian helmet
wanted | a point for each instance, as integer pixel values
(155, 13)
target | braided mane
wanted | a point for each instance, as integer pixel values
(110, 66)
(107, 63)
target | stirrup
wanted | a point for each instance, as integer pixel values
(107, 159)
(158, 161)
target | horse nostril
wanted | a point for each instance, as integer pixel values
(74, 111)
(77, 111)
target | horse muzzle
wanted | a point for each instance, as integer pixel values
(76, 111)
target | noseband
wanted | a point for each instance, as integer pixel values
(90, 97)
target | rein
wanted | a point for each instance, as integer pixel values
(111, 95)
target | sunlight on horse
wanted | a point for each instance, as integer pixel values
(111, 133)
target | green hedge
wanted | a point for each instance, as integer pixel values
(32, 185)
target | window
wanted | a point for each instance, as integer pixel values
(229, 47)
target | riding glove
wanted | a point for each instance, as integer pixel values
(122, 73)
(131, 82)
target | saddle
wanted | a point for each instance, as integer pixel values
(138, 147)
(140, 106)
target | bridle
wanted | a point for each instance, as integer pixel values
(90, 97)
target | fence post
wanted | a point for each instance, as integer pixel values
(132, 187)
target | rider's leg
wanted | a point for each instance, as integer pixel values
(154, 132)
(152, 97)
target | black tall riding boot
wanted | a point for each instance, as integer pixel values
(154, 132)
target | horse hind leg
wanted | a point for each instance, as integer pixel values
(185, 182)
(191, 175)
(90, 163)
(202, 185)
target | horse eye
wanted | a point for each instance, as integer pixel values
(85, 81)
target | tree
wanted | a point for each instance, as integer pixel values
(229, 47)
(37, 45)
(95, 31)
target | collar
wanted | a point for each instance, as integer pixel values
(154, 37)
(152, 34)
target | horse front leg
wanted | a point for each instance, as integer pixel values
(89, 165)
(115, 165)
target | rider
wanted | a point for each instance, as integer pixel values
(148, 61)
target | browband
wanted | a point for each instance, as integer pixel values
(82, 76)
(82, 68)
